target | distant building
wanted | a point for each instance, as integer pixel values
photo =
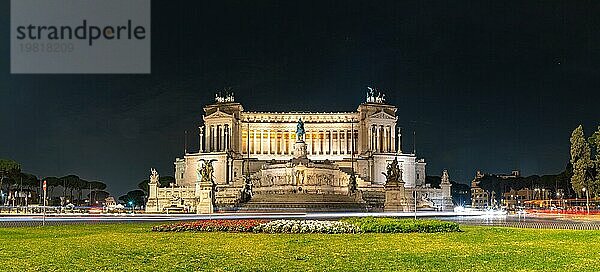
(110, 202)
(513, 174)
(480, 198)
(513, 199)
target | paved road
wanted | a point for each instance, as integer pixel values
(471, 218)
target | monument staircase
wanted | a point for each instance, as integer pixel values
(374, 199)
(301, 202)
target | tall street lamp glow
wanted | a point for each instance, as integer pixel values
(587, 200)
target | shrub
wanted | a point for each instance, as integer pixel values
(306, 226)
(392, 225)
(243, 225)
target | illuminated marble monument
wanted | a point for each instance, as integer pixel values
(270, 161)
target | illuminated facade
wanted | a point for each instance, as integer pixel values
(260, 147)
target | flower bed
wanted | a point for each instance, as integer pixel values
(306, 226)
(348, 225)
(243, 225)
(391, 225)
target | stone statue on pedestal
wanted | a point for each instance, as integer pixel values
(445, 177)
(153, 175)
(394, 173)
(247, 191)
(205, 171)
(300, 131)
(205, 187)
(375, 96)
(446, 187)
(395, 198)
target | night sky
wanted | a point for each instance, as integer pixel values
(484, 84)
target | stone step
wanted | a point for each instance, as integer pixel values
(301, 198)
(302, 203)
(303, 207)
(374, 200)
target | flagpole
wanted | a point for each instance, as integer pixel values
(44, 213)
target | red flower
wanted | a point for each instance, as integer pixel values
(234, 225)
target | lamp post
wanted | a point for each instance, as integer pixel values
(415, 190)
(587, 200)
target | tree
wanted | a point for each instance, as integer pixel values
(96, 188)
(81, 185)
(135, 197)
(97, 196)
(97, 185)
(595, 142)
(69, 182)
(583, 167)
(7, 168)
(51, 183)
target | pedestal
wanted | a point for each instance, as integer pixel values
(395, 198)
(447, 204)
(300, 153)
(204, 198)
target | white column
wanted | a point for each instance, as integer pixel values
(280, 143)
(390, 137)
(207, 138)
(214, 139)
(254, 141)
(371, 138)
(385, 139)
(379, 138)
(344, 144)
(227, 137)
(338, 142)
(201, 146)
(262, 142)
(376, 142)
(328, 137)
(217, 138)
(287, 143)
(269, 141)
(331, 142)
(224, 138)
(318, 142)
(291, 143)
(219, 135)
(308, 140)
(321, 142)
(393, 135)
(283, 143)
(351, 147)
(400, 140)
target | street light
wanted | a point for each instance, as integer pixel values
(132, 208)
(543, 194)
(415, 198)
(587, 200)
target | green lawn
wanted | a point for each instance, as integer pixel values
(133, 247)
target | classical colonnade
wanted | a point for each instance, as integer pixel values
(382, 139)
(318, 142)
(217, 138)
